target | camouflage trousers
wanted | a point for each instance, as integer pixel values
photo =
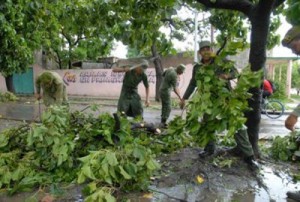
(165, 97)
(130, 103)
(50, 98)
(242, 143)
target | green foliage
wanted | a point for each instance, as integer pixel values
(280, 92)
(8, 96)
(295, 76)
(273, 38)
(103, 194)
(226, 141)
(133, 52)
(129, 167)
(231, 25)
(172, 139)
(222, 163)
(215, 107)
(81, 31)
(280, 82)
(176, 137)
(19, 37)
(285, 148)
(68, 147)
(293, 12)
(37, 153)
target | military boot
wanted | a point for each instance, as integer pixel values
(163, 123)
(253, 165)
(208, 150)
(295, 195)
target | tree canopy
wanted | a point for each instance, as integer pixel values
(78, 30)
(293, 12)
(21, 33)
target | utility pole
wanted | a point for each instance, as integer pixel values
(212, 34)
(196, 37)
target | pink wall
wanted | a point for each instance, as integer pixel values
(105, 83)
(2, 84)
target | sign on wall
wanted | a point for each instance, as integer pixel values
(105, 83)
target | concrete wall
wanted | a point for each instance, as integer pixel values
(105, 83)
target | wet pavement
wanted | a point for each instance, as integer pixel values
(30, 111)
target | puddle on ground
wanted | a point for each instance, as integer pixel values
(275, 185)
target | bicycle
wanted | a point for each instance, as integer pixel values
(272, 108)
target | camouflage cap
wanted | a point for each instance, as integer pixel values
(290, 35)
(145, 64)
(203, 44)
(180, 67)
(46, 77)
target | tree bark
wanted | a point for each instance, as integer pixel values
(158, 70)
(9, 83)
(260, 22)
(58, 60)
(70, 58)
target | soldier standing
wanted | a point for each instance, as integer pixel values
(292, 41)
(54, 90)
(169, 82)
(241, 137)
(130, 101)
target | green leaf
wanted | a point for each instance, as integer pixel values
(131, 169)
(110, 198)
(81, 178)
(124, 173)
(86, 170)
(206, 79)
(139, 152)
(113, 174)
(92, 186)
(112, 159)
(4, 140)
(108, 180)
(283, 156)
(152, 164)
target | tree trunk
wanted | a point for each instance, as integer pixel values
(158, 70)
(58, 59)
(70, 57)
(259, 13)
(9, 83)
(260, 21)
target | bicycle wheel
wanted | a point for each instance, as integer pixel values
(274, 109)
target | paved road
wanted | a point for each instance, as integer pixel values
(30, 111)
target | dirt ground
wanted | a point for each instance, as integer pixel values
(185, 177)
(225, 178)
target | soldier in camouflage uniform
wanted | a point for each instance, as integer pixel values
(130, 101)
(169, 82)
(241, 137)
(54, 90)
(292, 40)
